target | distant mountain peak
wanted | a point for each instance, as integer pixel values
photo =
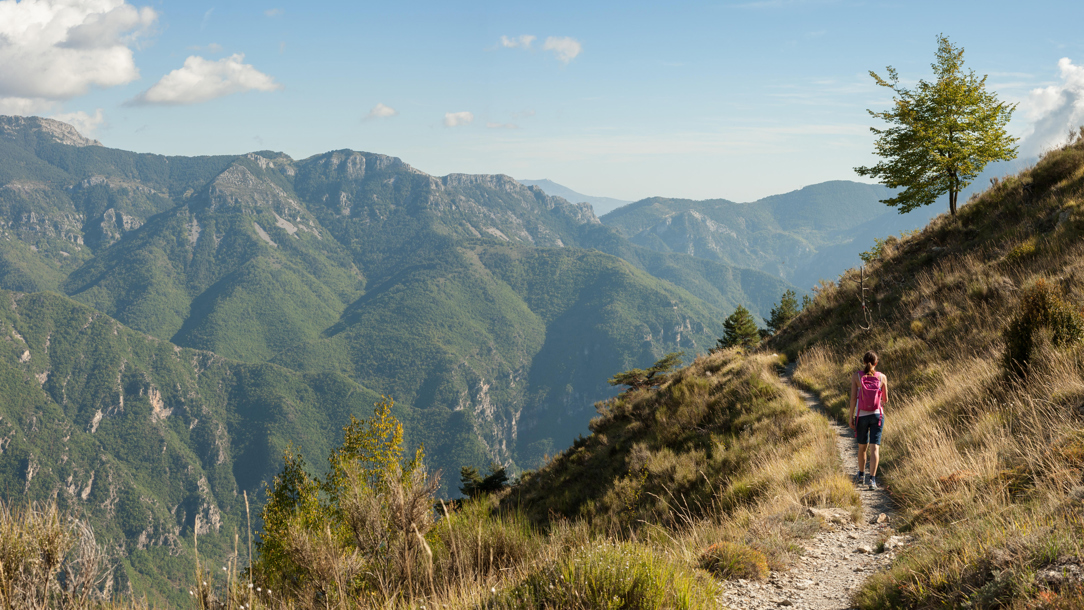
(13, 127)
(600, 205)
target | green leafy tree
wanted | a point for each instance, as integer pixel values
(652, 377)
(357, 529)
(292, 498)
(784, 312)
(941, 133)
(739, 330)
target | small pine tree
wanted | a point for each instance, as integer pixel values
(784, 312)
(739, 330)
(469, 480)
(653, 377)
(474, 485)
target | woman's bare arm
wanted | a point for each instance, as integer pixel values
(853, 401)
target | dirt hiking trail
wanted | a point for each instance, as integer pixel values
(840, 556)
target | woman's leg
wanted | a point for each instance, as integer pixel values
(874, 458)
(862, 459)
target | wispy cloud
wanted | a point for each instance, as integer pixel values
(273, 12)
(201, 80)
(518, 42)
(380, 111)
(85, 123)
(206, 18)
(564, 48)
(213, 47)
(457, 119)
(768, 4)
(25, 105)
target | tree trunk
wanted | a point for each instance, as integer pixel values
(953, 194)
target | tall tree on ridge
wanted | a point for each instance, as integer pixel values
(941, 133)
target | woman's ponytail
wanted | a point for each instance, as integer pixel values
(871, 361)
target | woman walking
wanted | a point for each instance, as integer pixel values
(869, 393)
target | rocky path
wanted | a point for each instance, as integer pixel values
(839, 558)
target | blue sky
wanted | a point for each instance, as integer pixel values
(726, 99)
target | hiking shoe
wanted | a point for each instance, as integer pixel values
(873, 484)
(865, 480)
(859, 478)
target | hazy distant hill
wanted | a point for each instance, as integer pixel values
(601, 205)
(802, 236)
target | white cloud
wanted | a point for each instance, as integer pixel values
(85, 123)
(25, 105)
(455, 119)
(564, 48)
(273, 12)
(501, 126)
(1055, 110)
(201, 80)
(380, 111)
(521, 42)
(58, 49)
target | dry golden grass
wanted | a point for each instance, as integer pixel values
(984, 463)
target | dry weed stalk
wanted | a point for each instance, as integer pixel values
(49, 560)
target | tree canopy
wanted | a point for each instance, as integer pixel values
(784, 312)
(652, 377)
(739, 329)
(941, 134)
(474, 484)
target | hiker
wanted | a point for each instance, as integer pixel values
(869, 393)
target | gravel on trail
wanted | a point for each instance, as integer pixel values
(839, 557)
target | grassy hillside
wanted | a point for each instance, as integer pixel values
(707, 478)
(977, 321)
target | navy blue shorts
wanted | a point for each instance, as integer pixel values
(869, 429)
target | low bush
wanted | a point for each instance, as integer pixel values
(49, 560)
(608, 575)
(1040, 308)
(729, 560)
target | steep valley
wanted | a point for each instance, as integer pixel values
(185, 320)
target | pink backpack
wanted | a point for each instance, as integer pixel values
(869, 393)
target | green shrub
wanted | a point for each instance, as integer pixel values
(610, 576)
(476, 543)
(1023, 250)
(729, 560)
(1040, 308)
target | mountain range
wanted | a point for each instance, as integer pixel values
(172, 324)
